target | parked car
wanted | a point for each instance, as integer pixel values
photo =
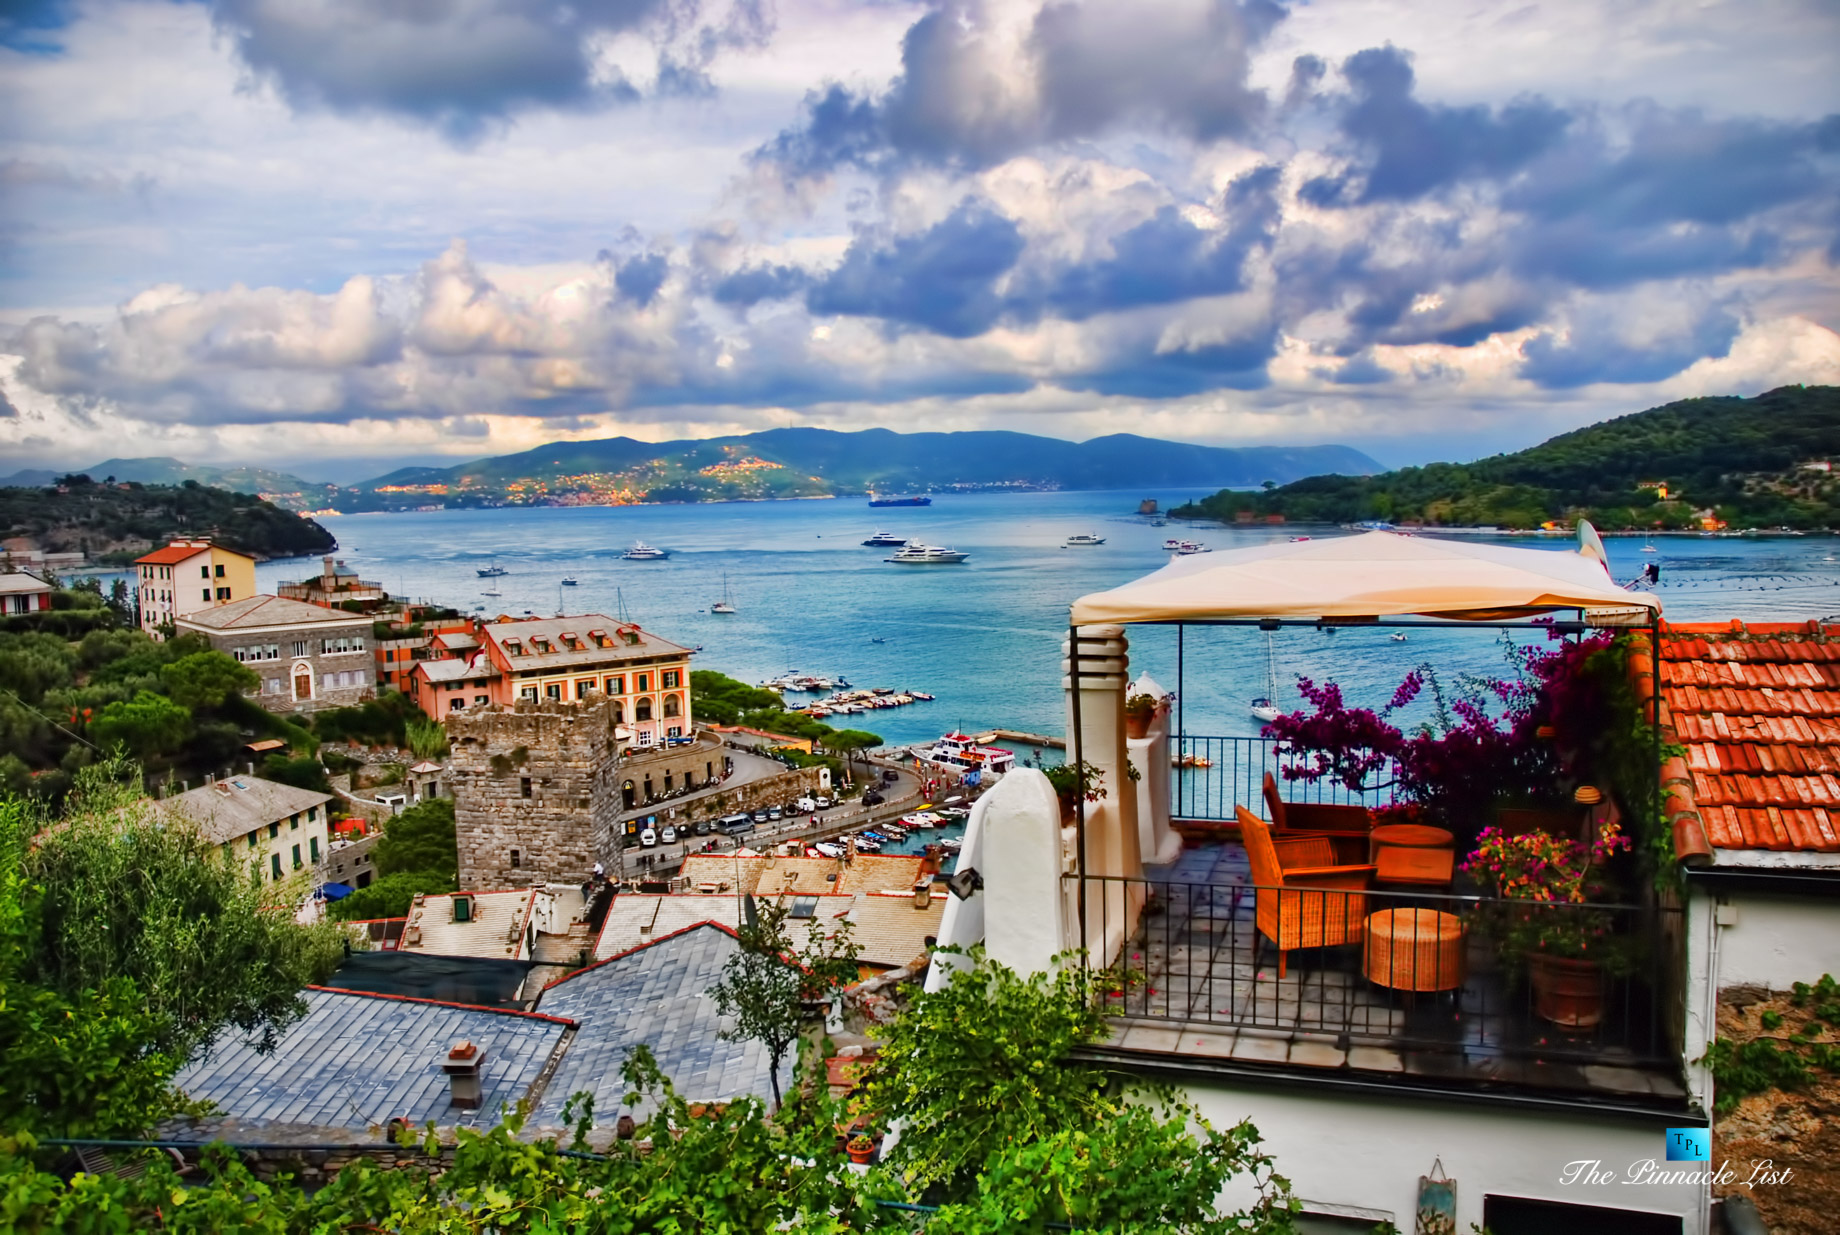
(669, 835)
(890, 776)
(872, 798)
(773, 812)
(822, 804)
(804, 806)
(760, 816)
(648, 838)
(735, 825)
(703, 827)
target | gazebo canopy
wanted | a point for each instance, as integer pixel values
(1372, 575)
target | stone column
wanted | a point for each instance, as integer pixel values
(1111, 823)
(1150, 756)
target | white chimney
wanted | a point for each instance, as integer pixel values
(923, 894)
(462, 1067)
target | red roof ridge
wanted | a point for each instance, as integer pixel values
(447, 1003)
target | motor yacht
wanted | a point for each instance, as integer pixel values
(491, 572)
(913, 553)
(1172, 544)
(570, 581)
(885, 540)
(642, 552)
(1191, 546)
(1083, 538)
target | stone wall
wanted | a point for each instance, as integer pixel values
(536, 792)
(776, 790)
(656, 771)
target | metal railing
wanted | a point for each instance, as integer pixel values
(1403, 970)
(1209, 776)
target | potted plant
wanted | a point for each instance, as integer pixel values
(1546, 919)
(861, 1148)
(1139, 711)
(1068, 779)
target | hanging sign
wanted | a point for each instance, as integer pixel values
(1437, 1202)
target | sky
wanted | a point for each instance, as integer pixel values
(333, 236)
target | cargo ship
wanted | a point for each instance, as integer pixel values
(899, 501)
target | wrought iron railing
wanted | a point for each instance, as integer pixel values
(1209, 776)
(1404, 970)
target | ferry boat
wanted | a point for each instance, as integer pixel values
(962, 751)
(913, 553)
(1083, 538)
(899, 501)
(491, 572)
(885, 540)
(642, 552)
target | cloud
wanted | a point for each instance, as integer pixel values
(942, 279)
(981, 83)
(1634, 341)
(462, 65)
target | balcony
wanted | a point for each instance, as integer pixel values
(1382, 983)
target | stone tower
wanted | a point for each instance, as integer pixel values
(535, 793)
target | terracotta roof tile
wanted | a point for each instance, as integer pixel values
(1758, 710)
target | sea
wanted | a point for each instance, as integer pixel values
(983, 637)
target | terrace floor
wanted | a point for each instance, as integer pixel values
(1199, 992)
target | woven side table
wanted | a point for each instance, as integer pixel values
(1414, 949)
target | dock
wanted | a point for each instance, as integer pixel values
(1016, 735)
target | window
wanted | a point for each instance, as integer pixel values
(296, 857)
(312, 813)
(454, 705)
(584, 688)
(206, 593)
(274, 864)
(274, 829)
(642, 682)
(619, 712)
(616, 686)
(220, 572)
(223, 593)
(669, 679)
(204, 572)
(642, 710)
(514, 859)
(528, 692)
(300, 647)
(524, 785)
(675, 731)
(313, 847)
(294, 822)
(482, 700)
(271, 686)
(553, 690)
(672, 707)
(252, 840)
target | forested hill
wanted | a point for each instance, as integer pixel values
(1745, 460)
(115, 523)
(806, 462)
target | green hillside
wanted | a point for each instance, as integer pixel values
(1741, 459)
(117, 523)
(786, 463)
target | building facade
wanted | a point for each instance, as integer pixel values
(442, 687)
(188, 577)
(334, 586)
(644, 678)
(308, 658)
(277, 829)
(21, 592)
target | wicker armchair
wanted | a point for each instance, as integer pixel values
(1331, 903)
(1346, 826)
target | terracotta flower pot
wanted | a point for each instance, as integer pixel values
(1137, 724)
(1566, 991)
(860, 1156)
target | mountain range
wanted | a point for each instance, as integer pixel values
(776, 463)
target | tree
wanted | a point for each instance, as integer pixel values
(148, 725)
(766, 984)
(427, 738)
(420, 839)
(999, 1124)
(205, 680)
(850, 742)
(389, 896)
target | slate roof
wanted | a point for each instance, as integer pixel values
(22, 582)
(263, 611)
(357, 1059)
(1758, 709)
(653, 995)
(243, 804)
(456, 670)
(630, 915)
(890, 930)
(585, 653)
(767, 876)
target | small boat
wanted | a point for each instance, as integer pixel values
(1194, 761)
(642, 552)
(1399, 636)
(491, 591)
(569, 581)
(493, 571)
(885, 540)
(1159, 523)
(913, 553)
(1265, 707)
(877, 639)
(1083, 538)
(1171, 545)
(1191, 546)
(727, 603)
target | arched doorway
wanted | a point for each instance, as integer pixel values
(629, 795)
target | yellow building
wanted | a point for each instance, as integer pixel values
(278, 829)
(188, 576)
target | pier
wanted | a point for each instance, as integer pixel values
(1016, 735)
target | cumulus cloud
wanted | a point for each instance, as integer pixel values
(462, 64)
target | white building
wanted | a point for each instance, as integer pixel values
(278, 829)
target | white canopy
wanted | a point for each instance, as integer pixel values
(1376, 574)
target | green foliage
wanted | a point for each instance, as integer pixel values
(389, 896)
(1069, 779)
(138, 515)
(1010, 1133)
(427, 738)
(147, 725)
(1740, 457)
(305, 772)
(420, 839)
(125, 891)
(203, 680)
(1773, 1059)
(720, 699)
(767, 983)
(382, 721)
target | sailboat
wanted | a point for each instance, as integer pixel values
(726, 604)
(1265, 707)
(1648, 546)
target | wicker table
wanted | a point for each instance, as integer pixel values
(1414, 949)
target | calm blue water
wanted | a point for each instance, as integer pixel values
(984, 637)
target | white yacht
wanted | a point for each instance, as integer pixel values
(1191, 546)
(1171, 545)
(570, 581)
(642, 552)
(727, 603)
(885, 540)
(913, 553)
(1084, 538)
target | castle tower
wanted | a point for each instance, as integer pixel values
(535, 793)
